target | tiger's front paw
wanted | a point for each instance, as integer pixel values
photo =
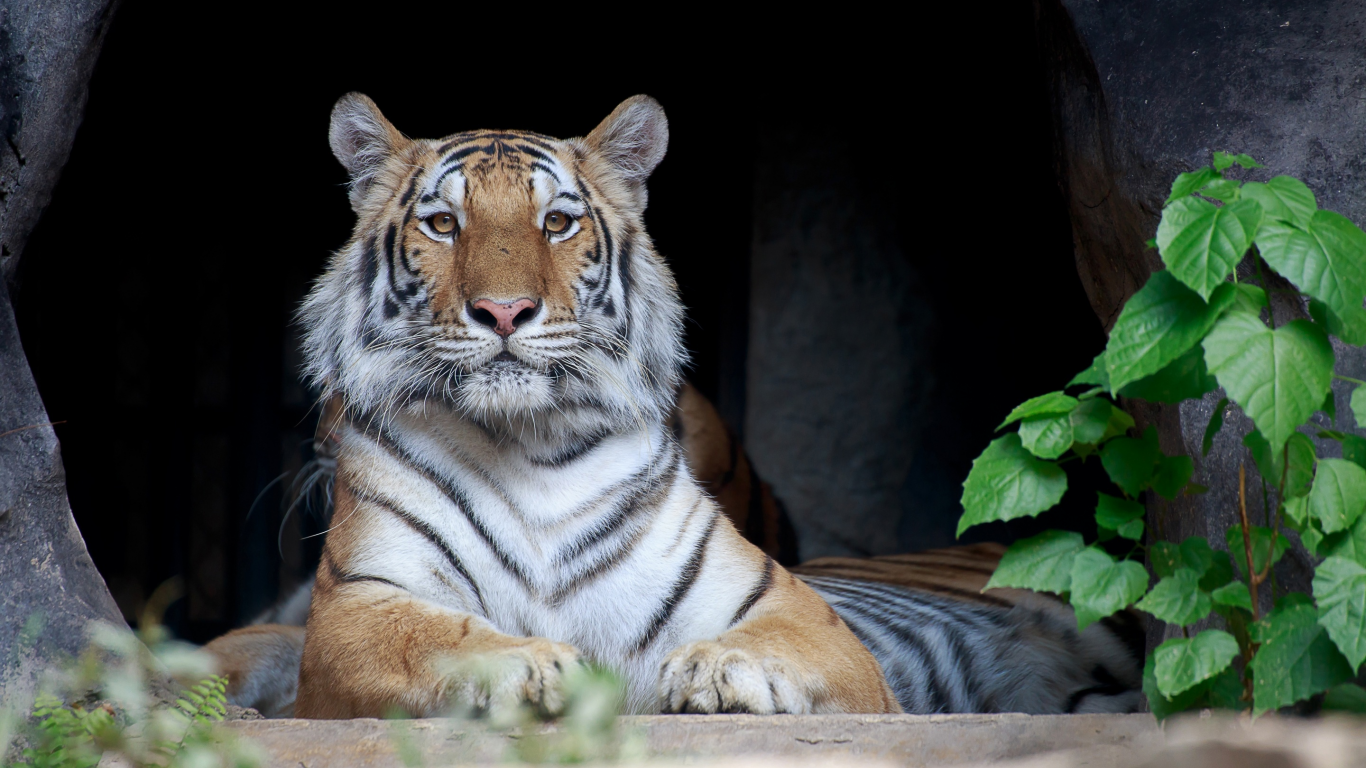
(707, 677)
(531, 672)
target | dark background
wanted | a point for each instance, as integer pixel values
(155, 298)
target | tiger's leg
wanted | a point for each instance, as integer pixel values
(789, 653)
(371, 648)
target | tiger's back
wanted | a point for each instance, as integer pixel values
(947, 644)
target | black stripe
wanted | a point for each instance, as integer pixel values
(369, 267)
(630, 505)
(549, 171)
(436, 185)
(425, 531)
(356, 578)
(934, 686)
(412, 187)
(580, 447)
(760, 589)
(680, 590)
(536, 153)
(459, 155)
(451, 491)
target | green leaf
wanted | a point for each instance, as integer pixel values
(1053, 402)
(1249, 298)
(1299, 471)
(1188, 183)
(1348, 697)
(1279, 378)
(1090, 420)
(1178, 599)
(1163, 707)
(1173, 472)
(1358, 405)
(1042, 563)
(1235, 594)
(1262, 547)
(1047, 437)
(1216, 423)
(1201, 243)
(1101, 585)
(1350, 544)
(1222, 691)
(1223, 190)
(1120, 422)
(1112, 512)
(1184, 378)
(1159, 324)
(1193, 553)
(1350, 326)
(1296, 511)
(1326, 259)
(1284, 197)
(1222, 160)
(1131, 462)
(1132, 530)
(1006, 482)
(1340, 589)
(1339, 494)
(1354, 450)
(1330, 406)
(1296, 660)
(1182, 663)
(1269, 462)
(1094, 375)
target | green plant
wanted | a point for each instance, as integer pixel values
(104, 705)
(1191, 329)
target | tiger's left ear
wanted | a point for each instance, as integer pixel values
(633, 140)
(362, 141)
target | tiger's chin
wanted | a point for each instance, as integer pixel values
(506, 388)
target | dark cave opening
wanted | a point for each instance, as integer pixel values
(156, 296)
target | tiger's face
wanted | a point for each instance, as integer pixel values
(507, 274)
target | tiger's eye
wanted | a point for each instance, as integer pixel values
(442, 223)
(556, 222)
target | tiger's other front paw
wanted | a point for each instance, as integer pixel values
(707, 677)
(531, 672)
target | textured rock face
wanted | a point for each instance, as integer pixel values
(1144, 91)
(49, 588)
(47, 52)
(827, 387)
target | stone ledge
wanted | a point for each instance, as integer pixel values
(829, 740)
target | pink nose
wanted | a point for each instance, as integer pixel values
(503, 318)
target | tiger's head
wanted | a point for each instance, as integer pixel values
(506, 274)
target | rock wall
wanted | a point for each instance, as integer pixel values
(49, 588)
(1143, 91)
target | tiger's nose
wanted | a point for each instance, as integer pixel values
(504, 318)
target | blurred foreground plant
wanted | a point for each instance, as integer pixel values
(103, 706)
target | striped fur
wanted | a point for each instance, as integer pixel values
(947, 646)
(517, 499)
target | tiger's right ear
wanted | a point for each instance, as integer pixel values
(362, 140)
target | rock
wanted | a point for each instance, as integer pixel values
(922, 740)
(51, 588)
(1143, 91)
(47, 53)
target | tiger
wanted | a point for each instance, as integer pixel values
(506, 344)
(503, 343)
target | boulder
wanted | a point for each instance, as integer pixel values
(1141, 92)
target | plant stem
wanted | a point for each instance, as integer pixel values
(1252, 579)
(1348, 378)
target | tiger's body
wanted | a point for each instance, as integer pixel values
(511, 486)
(506, 345)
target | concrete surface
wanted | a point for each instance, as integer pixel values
(864, 740)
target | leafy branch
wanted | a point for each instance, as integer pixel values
(1194, 328)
